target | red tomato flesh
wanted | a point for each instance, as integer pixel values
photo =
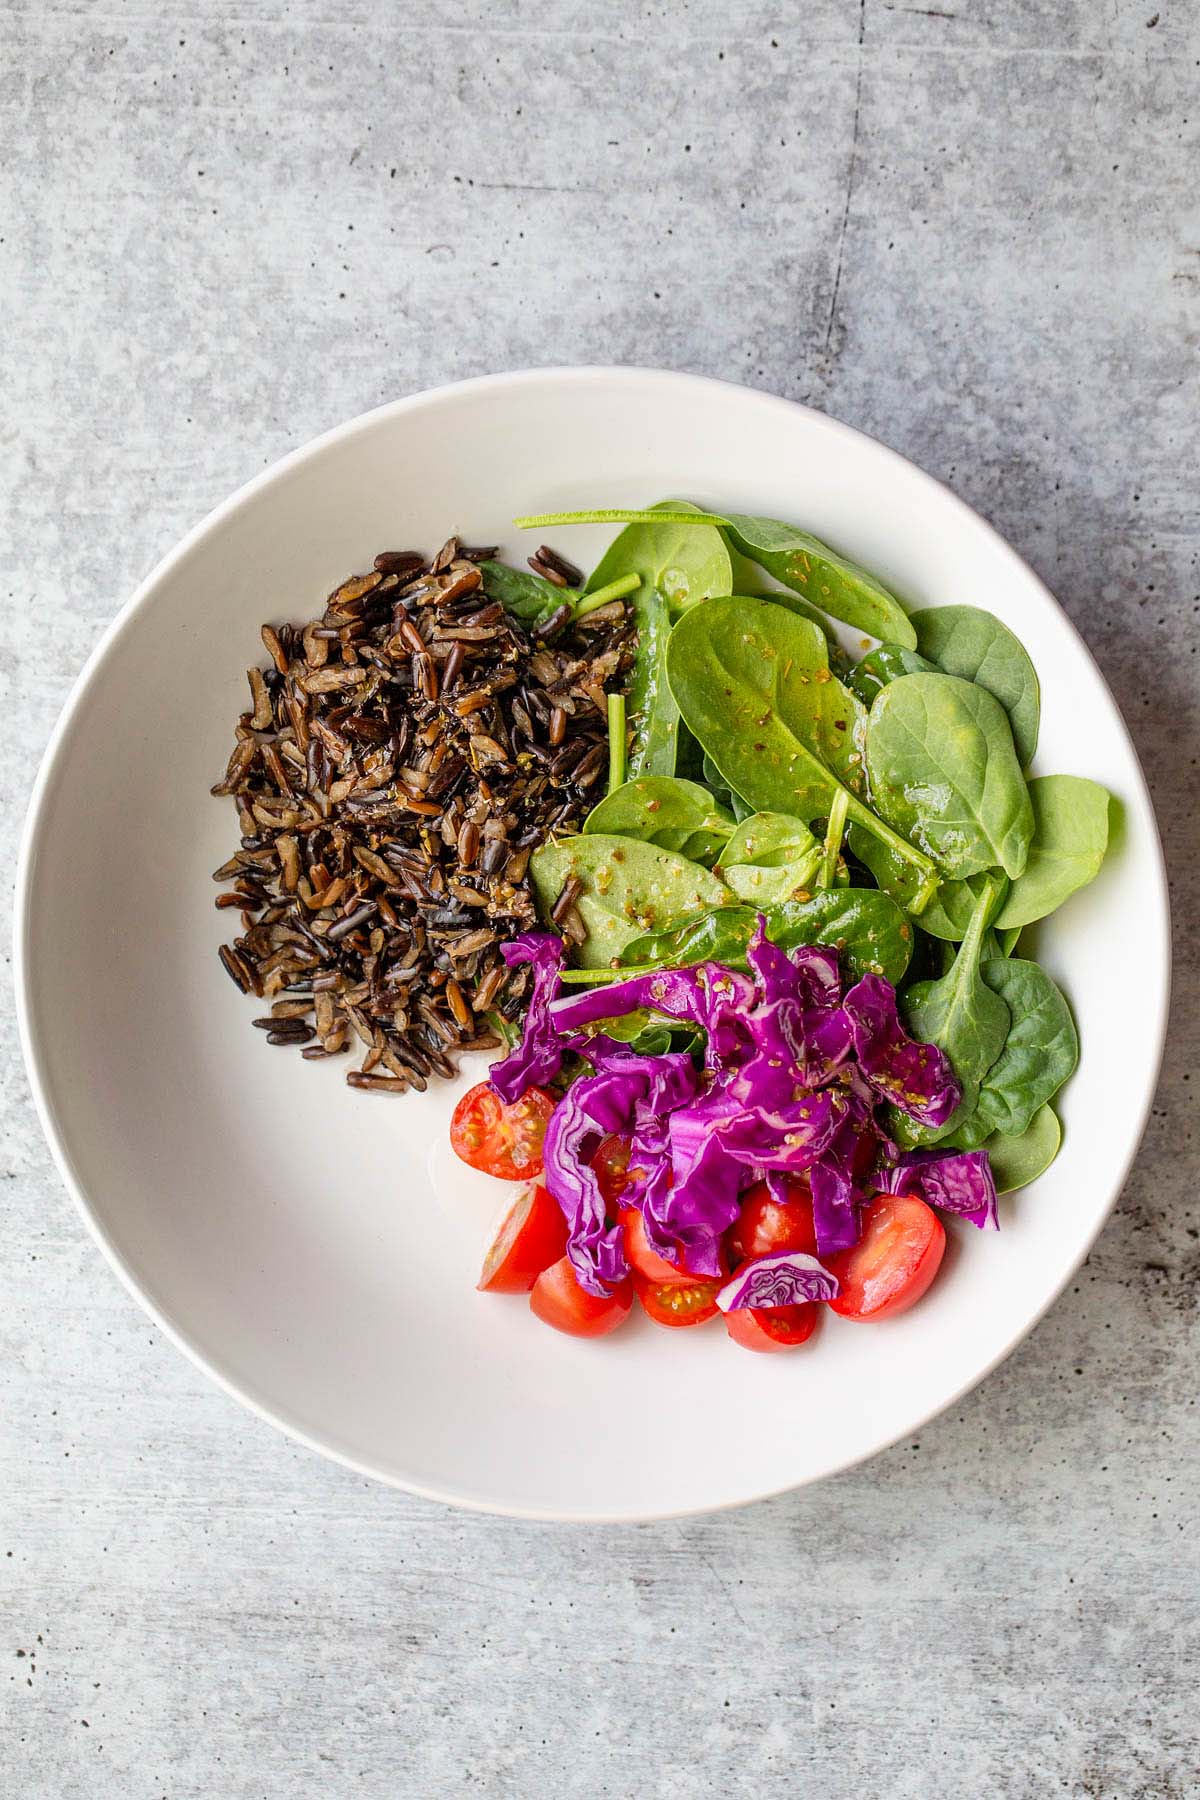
(532, 1236)
(557, 1299)
(894, 1261)
(499, 1139)
(610, 1165)
(643, 1259)
(767, 1226)
(677, 1303)
(770, 1328)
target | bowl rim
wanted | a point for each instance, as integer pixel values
(40, 805)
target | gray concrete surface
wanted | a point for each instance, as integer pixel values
(971, 229)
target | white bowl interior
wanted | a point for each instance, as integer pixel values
(316, 1249)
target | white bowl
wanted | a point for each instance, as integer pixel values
(314, 1249)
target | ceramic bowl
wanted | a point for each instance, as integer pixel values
(315, 1250)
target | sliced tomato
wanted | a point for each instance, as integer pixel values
(773, 1327)
(558, 1300)
(643, 1259)
(766, 1226)
(532, 1236)
(676, 1303)
(610, 1165)
(489, 1134)
(894, 1261)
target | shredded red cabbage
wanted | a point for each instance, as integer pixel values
(959, 1181)
(538, 1057)
(793, 1082)
(835, 1209)
(786, 1279)
(918, 1078)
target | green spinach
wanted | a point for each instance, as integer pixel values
(882, 665)
(942, 770)
(1070, 837)
(664, 810)
(770, 857)
(1040, 1052)
(628, 888)
(868, 930)
(753, 684)
(721, 934)
(675, 550)
(832, 866)
(676, 565)
(966, 641)
(1016, 1161)
(533, 599)
(528, 597)
(911, 885)
(963, 1015)
(949, 912)
(653, 748)
(722, 793)
(819, 575)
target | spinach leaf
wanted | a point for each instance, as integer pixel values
(869, 931)
(689, 757)
(966, 641)
(721, 791)
(628, 888)
(721, 935)
(651, 704)
(909, 884)
(885, 663)
(1016, 1161)
(682, 556)
(942, 770)
(753, 683)
(676, 565)
(800, 561)
(533, 599)
(1039, 1054)
(963, 1015)
(1070, 837)
(949, 912)
(661, 809)
(528, 597)
(1008, 939)
(770, 857)
(831, 582)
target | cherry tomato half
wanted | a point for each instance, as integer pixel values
(501, 1140)
(894, 1261)
(532, 1236)
(644, 1260)
(773, 1327)
(677, 1303)
(766, 1226)
(610, 1165)
(558, 1300)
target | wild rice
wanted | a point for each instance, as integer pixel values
(401, 758)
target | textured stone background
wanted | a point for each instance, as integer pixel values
(971, 229)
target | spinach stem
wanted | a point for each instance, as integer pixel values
(616, 741)
(834, 833)
(862, 815)
(615, 590)
(618, 515)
